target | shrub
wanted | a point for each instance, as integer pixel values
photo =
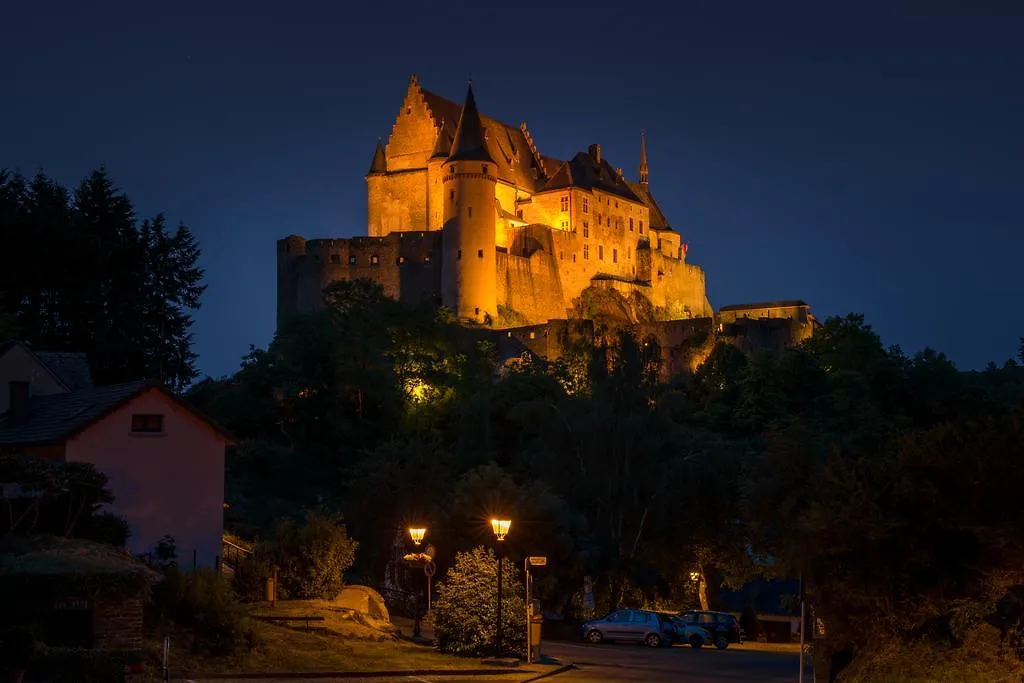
(465, 611)
(312, 558)
(202, 601)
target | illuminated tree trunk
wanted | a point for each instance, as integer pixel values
(702, 589)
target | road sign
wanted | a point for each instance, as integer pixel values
(429, 568)
(538, 561)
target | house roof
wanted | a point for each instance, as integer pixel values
(58, 417)
(70, 369)
(764, 304)
(56, 556)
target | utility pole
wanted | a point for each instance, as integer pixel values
(803, 622)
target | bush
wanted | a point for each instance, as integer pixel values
(312, 558)
(202, 602)
(465, 611)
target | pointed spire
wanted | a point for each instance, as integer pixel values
(443, 146)
(469, 144)
(643, 158)
(380, 160)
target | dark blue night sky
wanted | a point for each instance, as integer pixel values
(864, 156)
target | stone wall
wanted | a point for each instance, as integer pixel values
(117, 623)
(396, 202)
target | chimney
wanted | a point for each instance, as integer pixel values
(595, 151)
(19, 403)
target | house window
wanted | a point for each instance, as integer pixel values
(631, 225)
(600, 252)
(615, 255)
(426, 259)
(375, 260)
(480, 253)
(586, 229)
(351, 260)
(565, 203)
(586, 205)
(335, 258)
(149, 424)
(586, 252)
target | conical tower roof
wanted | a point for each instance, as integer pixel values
(643, 158)
(380, 161)
(443, 146)
(469, 144)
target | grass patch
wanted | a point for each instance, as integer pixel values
(344, 641)
(976, 661)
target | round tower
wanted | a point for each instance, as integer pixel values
(468, 242)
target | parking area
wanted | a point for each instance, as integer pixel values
(750, 662)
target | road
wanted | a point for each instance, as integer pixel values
(742, 663)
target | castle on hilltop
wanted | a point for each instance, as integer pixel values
(465, 209)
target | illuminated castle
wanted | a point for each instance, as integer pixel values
(465, 209)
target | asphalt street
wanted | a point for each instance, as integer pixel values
(613, 662)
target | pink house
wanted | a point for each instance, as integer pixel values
(164, 459)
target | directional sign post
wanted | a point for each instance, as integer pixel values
(537, 561)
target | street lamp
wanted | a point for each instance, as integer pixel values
(417, 534)
(500, 528)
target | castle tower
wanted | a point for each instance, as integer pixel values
(643, 160)
(375, 179)
(469, 248)
(435, 176)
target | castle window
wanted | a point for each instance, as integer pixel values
(401, 260)
(629, 254)
(476, 310)
(485, 169)
(351, 260)
(586, 205)
(451, 195)
(561, 256)
(426, 259)
(586, 229)
(574, 258)
(408, 110)
(599, 219)
(616, 203)
(615, 255)
(600, 252)
(565, 225)
(586, 252)
(631, 225)
(565, 203)
(454, 168)
(470, 210)
(519, 214)
(375, 260)
(459, 255)
(335, 258)
(480, 253)
(641, 227)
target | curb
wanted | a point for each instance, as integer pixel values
(559, 670)
(361, 674)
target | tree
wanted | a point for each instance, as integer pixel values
(465, 610)
(313, 557)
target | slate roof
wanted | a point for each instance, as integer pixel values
(57, 417)
(657, 219)
(764, 304)
(469, 144)
(380, 161)
(584, 171)
(71, 368)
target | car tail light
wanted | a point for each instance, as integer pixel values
(134, 669)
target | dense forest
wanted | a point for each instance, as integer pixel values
(886, 481)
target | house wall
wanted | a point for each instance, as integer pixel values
(18, 365)
(168, 483)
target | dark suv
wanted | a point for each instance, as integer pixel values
(723, 627)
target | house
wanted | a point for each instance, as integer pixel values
(163, 458)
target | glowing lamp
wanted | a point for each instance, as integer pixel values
(417, 535)
(500, 527)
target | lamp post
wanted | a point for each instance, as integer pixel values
(417, 534)
(500, 528)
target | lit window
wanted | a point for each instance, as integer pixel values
(586, 205)
(565, 203)
(401, 260)
(586, 251)
(426, 259)
(149, 424)
(351, 260)
(375, 260)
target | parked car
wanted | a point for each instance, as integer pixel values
(687, 634)
(723, 627)
(631, 625)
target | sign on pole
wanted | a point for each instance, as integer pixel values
(538, 561)
(429, 568)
